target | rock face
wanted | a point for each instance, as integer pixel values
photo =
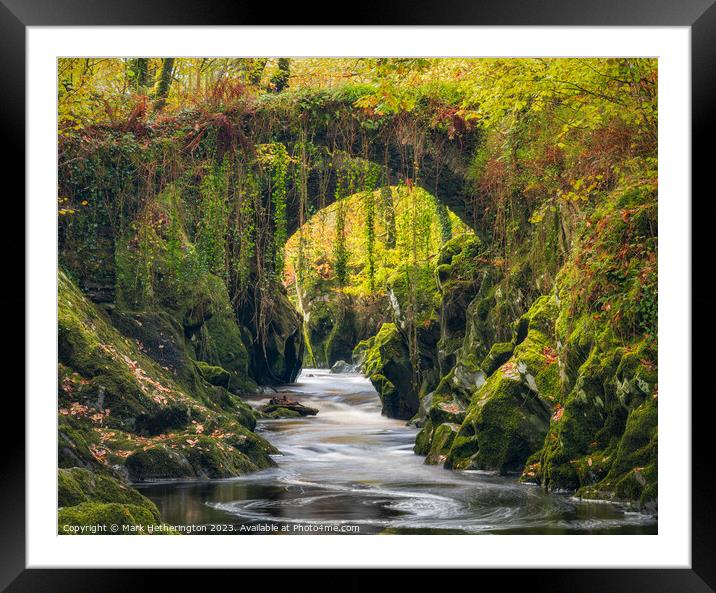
(603, 436)
(135, 405)
(458, 283)
(277, 348)
(337, 322)
(558, 396)
(386, 362)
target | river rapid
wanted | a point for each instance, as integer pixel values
(351, 470)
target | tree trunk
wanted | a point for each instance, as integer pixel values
(163, 84)
(140, 67)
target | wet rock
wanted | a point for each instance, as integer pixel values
(342, 366)
(277, 350)
(280, 405)
(386, 362)
(509, 415)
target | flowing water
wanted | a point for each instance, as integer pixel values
(352, 470)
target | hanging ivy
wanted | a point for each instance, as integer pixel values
(214, 219)
(340, 250)
(275, 158)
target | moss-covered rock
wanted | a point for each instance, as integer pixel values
(223, 343)
(76, 486)
(110, 518)
(441, 443)
(505, 423)
(508, 416)
(214, 374)
(386, 362)
(281, 412)
(498, 355)
(123, 412)
(223, 454)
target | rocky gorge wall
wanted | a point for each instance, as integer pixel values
(140, 398)
(558, 384)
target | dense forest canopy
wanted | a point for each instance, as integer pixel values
(478, 235)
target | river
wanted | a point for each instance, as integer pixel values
(354, 470)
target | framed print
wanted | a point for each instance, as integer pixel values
(415, 282)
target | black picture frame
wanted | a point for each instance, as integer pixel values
(699, 15)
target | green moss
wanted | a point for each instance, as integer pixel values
(104, 515)
(498, 355)
(254, 447)
(505, 423)
(214, 374)
(441, 442)
(386, 362)
(210, 459)
(235, 452)
(158, 463)
(171, 417)
(76, 486)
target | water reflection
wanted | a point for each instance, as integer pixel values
(350, 465)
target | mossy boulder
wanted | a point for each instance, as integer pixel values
(505, 423)
(214, 374)
(508, 416)
(279, 413)
(76, 486)
(197, 457)
(441, 443)
(112, 518)
(386, 362)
